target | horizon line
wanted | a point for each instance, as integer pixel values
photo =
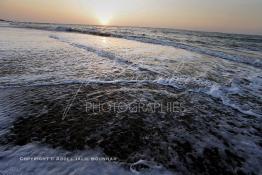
(134, 26)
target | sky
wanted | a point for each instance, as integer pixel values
(234, 16)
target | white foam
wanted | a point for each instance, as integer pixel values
(221, 93)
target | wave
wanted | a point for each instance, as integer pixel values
(147, 35)
(99, 52)
(106, 54)
(219, 92)
(179, 83)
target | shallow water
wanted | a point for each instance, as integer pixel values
(210, 105)
(235, 47)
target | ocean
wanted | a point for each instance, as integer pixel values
(160, 101)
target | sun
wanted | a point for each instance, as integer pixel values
(103, 11)
(104, 20)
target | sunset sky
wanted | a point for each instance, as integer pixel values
(237, 16)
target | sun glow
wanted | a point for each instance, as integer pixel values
(102, 10)
(104, 20)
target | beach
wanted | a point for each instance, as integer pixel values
(151, 105)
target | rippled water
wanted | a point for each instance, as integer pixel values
(212, 80)
(240, 48)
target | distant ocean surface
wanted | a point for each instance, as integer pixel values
(235, 47)
(213, 80)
